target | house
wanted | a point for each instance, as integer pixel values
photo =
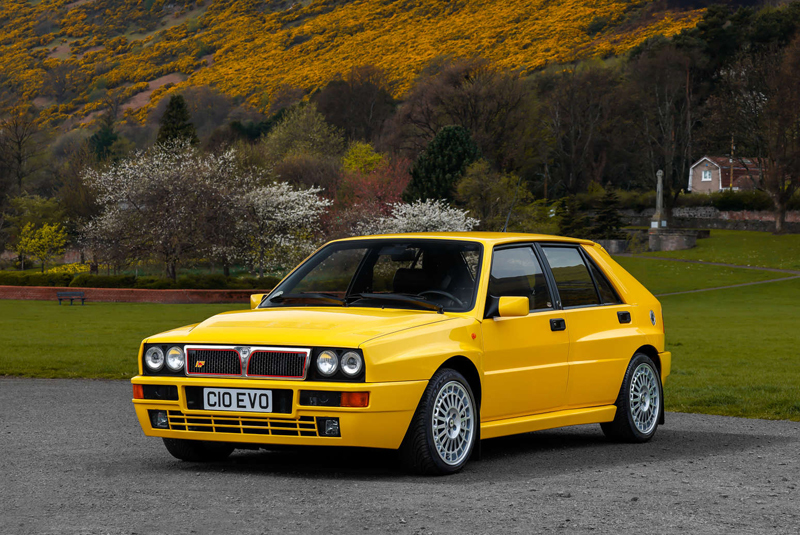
(713, 173)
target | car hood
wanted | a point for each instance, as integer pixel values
(306, 326)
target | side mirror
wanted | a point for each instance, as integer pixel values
(255, 300)
(513, 306)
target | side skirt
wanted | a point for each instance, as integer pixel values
(550, 420)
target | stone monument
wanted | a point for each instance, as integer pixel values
(660, 237)
(659, 218)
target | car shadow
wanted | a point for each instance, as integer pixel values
(531, 455)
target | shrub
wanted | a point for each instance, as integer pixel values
(103, 281)
(35, 279)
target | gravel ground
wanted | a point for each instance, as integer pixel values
(75, 461)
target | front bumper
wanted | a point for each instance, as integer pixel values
(382, 424)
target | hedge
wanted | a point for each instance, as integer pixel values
(12, 278)
(84, 280)
(724, 201)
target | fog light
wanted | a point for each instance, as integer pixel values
(332, 428)
(159, 419)
(328, 427)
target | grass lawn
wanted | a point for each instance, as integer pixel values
(664, 276)
(744, 248)
(98, 340)
(735, 352)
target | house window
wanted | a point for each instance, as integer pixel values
(706, 176)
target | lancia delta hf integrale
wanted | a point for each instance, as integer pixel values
(426, 343)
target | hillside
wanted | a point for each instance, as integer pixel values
(64, 55)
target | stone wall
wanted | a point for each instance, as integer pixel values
(710, 217)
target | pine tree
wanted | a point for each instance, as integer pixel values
(102, 140)
(441, 165)
(571, 222)
(176, 122)
(607, 220)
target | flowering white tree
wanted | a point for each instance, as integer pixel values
(420, 216)
(174, 202)
(169, 202)
(279, 223)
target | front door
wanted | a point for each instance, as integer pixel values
(525, 358)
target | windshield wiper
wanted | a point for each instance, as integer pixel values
(399, 298)
(322, 298)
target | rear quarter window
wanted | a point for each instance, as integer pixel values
(574, 283)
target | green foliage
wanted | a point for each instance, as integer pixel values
(189, 282)
(607, 220)
(13, 278)
(44, 243)
(440, 166)
(571, 221)
(361, 158)
(303, 130)
(176, 122)
(102, 141)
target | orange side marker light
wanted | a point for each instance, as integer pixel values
(355, 399)
(138, 392)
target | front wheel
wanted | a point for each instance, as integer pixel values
(639, 403)
(198, 451)
(444, 429)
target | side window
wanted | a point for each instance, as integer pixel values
(607, 293)
(572, 277)
(517, 272)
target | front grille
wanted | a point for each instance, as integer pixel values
(213, 362)
(305, 426)
(277, 364)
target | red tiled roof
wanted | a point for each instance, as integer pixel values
(745, 171)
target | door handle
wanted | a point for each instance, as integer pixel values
(624, 317)
(558, 324)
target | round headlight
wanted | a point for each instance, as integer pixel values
(352, 363)
(154, 358)
(327, 363)
(175, 358)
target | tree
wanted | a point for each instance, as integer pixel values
(170, 202)
(280, 223)
(44, 243)
(489, 102)
(578, 105)
(761, 105)
(303, 130)
(21, 145)
(607, 220)
(439, 167)
(358, 104)
(571, 222)
(176, 122)
(362, 158)
(102, 140)
(419, 216)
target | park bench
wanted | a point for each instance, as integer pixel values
(71, 296)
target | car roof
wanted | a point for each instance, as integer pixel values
(487, 238)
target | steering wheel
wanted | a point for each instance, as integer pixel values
(448, 295)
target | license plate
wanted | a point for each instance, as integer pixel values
(237, 399)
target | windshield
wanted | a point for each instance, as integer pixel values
(437, 275)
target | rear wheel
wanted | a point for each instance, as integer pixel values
(444, 430)
(198, 451)
(639, 403)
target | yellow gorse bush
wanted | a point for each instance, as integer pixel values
(126, 43)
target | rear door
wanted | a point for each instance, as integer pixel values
(602, 339)
(525, 358)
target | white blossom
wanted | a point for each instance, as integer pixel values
(420, 216)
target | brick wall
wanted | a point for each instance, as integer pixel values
(130, 295)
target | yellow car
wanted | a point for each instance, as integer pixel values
(426, 343)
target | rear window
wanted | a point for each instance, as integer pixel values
(572, 277)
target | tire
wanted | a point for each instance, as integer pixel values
(638, 412)
(449, 404)
(198, 451)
